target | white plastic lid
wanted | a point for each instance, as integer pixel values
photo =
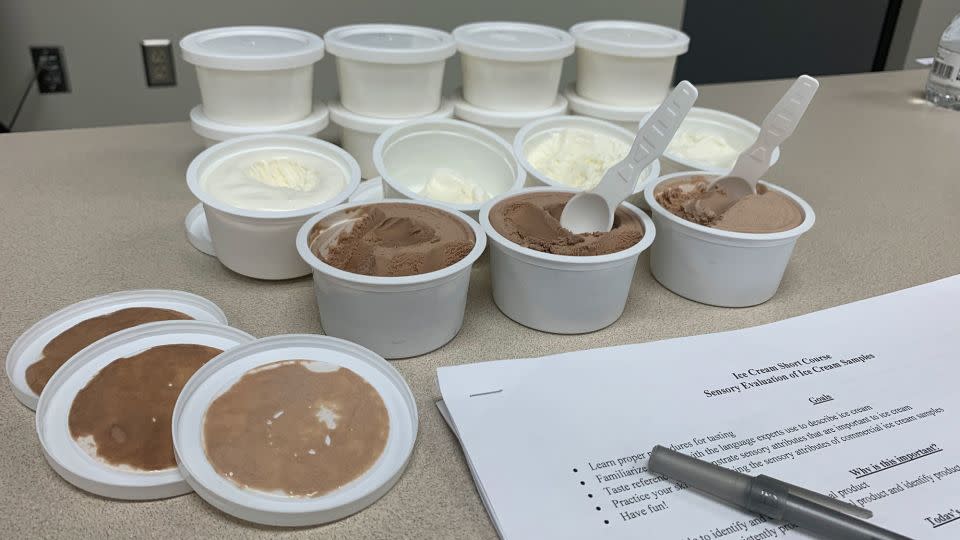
(587, 107)
(28, 348)
(390, 43)
(313, 124)
(219, 374)
(368, 191)
(630, 38)
(344, 117)
(465, 110)
(198, 232)
(513, 41)
(252, 48)
(63, 452)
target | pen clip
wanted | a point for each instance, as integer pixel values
(823, 500)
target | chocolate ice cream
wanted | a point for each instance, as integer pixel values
(391, 239)
(767, 211)
(533, 221)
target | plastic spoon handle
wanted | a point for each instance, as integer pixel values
(776, 127)
(652, 140)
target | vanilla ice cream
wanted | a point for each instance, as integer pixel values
(576, 157)
(703, 147)
(448, 186)
(274, 179)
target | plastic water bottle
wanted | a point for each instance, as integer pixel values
(943, 85)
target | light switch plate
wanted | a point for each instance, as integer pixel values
(51, 72)
(158, 62)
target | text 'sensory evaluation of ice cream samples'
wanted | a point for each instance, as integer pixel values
(857, 402)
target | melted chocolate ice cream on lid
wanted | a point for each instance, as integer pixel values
(294, 430)
(41, 350)
(105, 418)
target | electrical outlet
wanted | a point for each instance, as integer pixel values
(51, 71)
(158, 62)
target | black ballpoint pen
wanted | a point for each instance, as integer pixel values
(809, 510)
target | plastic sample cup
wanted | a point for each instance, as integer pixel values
(260, 243)
(368, 191)
(511, 66)
(254, 75)
(627, 117)
(213, 132)
(537, 131)
(358, 133)
(738, 132)
(561, 294)
(718, 267)
(390, 70)
(396, 317)
(408, 155)
(505, 123)
(626, 63)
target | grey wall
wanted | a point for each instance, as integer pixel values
(932, 20)
(104, 65)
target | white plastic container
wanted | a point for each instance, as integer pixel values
(28, 348)
(559, 293)
(511, 66)
(408, 155)
(628, 118)
(254, 75)
(358, 133)
(626, 63)
(396, 317)
(368, 191)
(534, 132)
(390, 70)
(213, 132)
(259, 243)
(219, 374)
(505, 124)
(717, 267)
(68, 458)
(738, 132)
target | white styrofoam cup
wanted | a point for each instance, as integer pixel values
(260, 243)
(561, 294)
(396, 317)
(718, 267)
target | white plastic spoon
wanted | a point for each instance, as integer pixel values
(592, 211)
(776, 127)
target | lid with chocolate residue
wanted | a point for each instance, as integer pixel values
(29, 348)
(104, 418)
(334, 442)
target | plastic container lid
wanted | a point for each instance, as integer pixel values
(344, 117)
(465, 110)
(630, 38)
(67, 457)
(368, 191)
(513, 41)
(219, 374)
(28, 347)
(390, 43)
(252, 48)
(313, 124)
(198, 232)
(616, 113)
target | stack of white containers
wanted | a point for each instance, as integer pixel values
(388, 74)
(511, 74)
(255, 80)
(624, 69)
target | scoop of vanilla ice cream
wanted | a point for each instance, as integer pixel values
(448, 186)
(577, 157)
(701, 147)
(283, 172)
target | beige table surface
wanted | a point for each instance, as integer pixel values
(85, 212)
